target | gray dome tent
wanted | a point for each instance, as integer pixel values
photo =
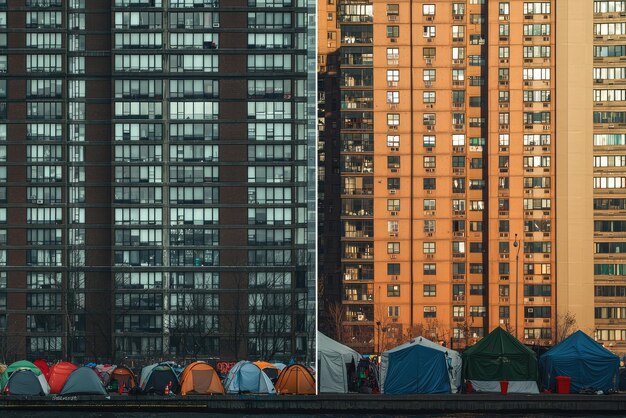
(83, 381)
(24, 382)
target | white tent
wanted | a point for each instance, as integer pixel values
(333, 357)
(246, 377)
(453, 358)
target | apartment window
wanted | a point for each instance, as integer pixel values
(503, 247)
(458, 97)
(393, 141)
(430, 204)
(393, 183)
(393, 76)
(429, 97)
(393, 290)
(393, 269)
(458, 268)
(393, 311)
(429, 225)
(393, 161)
(458, 53)
(430, 183)
(429, 140)
(393, 56)
(429, 75)
(504, 30)
(537, 7)
(430, 161)
(458, 75)
(393, 227)
(458, 33)
(458, 312)
(429, 32)
(393, 97)
(458, 161)
(458, 9)
(430, 311)
(504, 312)
(428, 247)
(430, 290)
(430, 269)
(393, 205)
(393, 9)
(503, 8)
(393, 31)
(428, 9)
(503, 52)
(503, 226)
(429, 53)
(429, 119)
(393, 119)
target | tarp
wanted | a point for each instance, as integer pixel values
(269, 369)
(246, 377)
(42, 365)
(59, 373)
(333, 358)
(402, 367)
(500, 356)
(585, 361)
(295, 380)
(122, 376)
(83, 381)
(156, 377)
(23, 365)
(200, 378)
(104, 372)
(24, 382)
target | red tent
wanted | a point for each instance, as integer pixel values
(58, 375)
(43, 366)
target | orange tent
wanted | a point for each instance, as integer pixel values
(59, 374)
(200, 378)
(123, 376)
(269, 369)
(295, 380)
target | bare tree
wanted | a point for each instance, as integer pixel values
(336, 315)
(565, 325)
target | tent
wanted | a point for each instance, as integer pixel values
(271, 370)
(3, 367)
(156, 377)
(24, 382)
(497, 357)
(199, 378)
(588, 363)
(122, 376)
(246, 377)
(420, 366)
(280, 366)
(83, 381)
(295, 380)
(334, 359)
(58, 375)
(43, 366)
(23, 365)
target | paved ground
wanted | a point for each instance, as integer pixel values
(475, 405)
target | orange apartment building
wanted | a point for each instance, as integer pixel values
(437, 170)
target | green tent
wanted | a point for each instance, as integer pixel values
(500, 356)
(18, 365)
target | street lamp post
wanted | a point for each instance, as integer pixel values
(517, 245)
(378, 338)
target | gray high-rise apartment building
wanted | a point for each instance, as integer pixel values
(157, 179)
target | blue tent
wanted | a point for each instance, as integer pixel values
(416, 369)
(588, 363)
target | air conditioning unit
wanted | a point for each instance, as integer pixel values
(393, 213)
(40, 201)
(216, 25)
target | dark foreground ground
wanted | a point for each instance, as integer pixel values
(461, 405)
